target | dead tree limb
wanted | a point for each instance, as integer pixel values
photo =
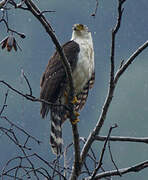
(134, 168)
(123, 139)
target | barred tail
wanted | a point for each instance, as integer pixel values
(56, 140)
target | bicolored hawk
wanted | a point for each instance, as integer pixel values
(80, 54)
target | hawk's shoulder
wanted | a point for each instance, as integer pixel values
(71, 50)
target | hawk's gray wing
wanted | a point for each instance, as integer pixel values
(54, 78)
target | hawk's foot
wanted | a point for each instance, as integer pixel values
(77, 119)
(75, 100)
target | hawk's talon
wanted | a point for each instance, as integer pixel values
(75, 100)
(75, 121)
(77, 113)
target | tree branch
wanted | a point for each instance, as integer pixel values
(134, 168)
(114, 33)
(129, 61)
(96, 9)
(37, 13)
(20, 129)
(111, 88)
(76, 165)
(4, 104)
(30, 97)
(123, 139)
(102, 153)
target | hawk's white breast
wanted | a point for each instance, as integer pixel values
(85, 64)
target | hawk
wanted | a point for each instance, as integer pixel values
(54, 83)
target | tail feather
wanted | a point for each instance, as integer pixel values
(44, 110)
(56, 140)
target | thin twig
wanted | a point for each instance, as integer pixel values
(111, 156)
(48, 164)
(48, 11)
(96, 9)
(20, 129)
(130, 60)
(102, 153)
(19, 161)
(27, 81)
(22, 35)
(4, 104)
(31, 98)
(114, 33)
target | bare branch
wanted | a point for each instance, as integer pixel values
(76, 166)
(134, 168)
(96, 9)
(27, 81)
(31, 98)
(123, 139)
(48, 164)
(26, 168)
(20, 129)
(22, 35)
(4, 104)
(102, 153)
(129, 61)
(111, 156)
(114, 33)
(47, 11)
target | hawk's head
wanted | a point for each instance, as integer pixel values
(81, 31)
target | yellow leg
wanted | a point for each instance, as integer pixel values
(75, 100)
(77, 119)
(77, 113)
